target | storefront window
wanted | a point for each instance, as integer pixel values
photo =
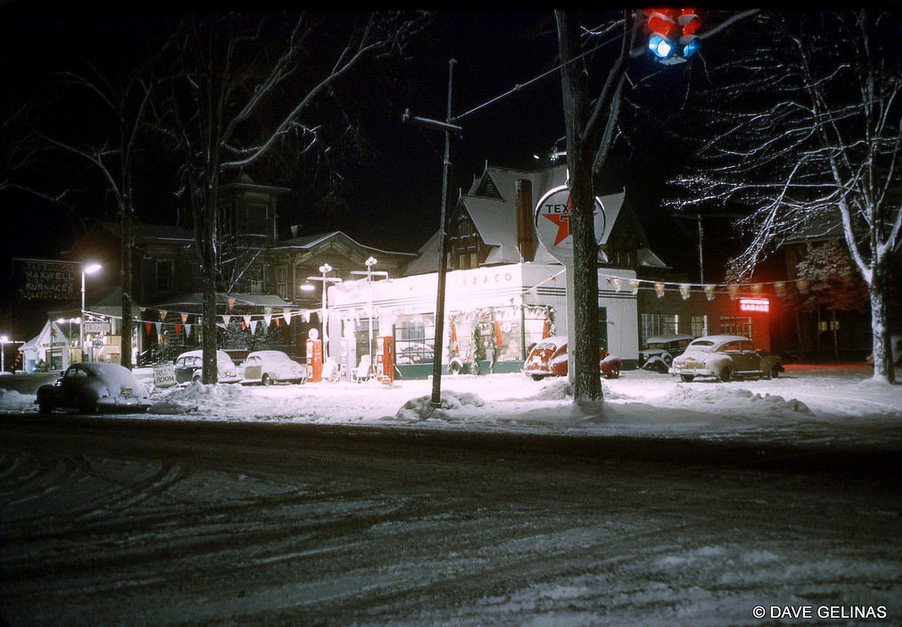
(414, 338)
(658, 324)
(538, 323)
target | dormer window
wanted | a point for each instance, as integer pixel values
(465, 245)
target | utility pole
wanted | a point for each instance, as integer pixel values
(448, 127)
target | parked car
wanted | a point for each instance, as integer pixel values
(189, 367)
(660, 350)
(725, 357)
(270, 366)
(548, 358)
(92, 386)
(414, 353)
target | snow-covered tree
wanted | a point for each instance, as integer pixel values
(804, 119)
(832, 283)
(242, 84)
(598, 54)
(107, 120)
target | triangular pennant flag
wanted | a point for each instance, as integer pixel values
(287, 316)
(178, 330)
(184, 318)
(148, 327)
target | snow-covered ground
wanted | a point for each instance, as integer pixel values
(805, 404)
(97, 530)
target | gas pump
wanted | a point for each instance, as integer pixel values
(314, 357)
(385, 359)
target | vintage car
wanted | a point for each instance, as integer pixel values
(725, 357)
(92, 386)
(660, 350)
(414, 353)
(269, 366)
(548, 358)
(189, 368)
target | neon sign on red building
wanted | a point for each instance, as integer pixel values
(757, 305)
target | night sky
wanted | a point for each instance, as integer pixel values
(395, 196)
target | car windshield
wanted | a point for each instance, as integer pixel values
(702, 345)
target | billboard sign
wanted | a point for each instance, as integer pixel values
(46, 279)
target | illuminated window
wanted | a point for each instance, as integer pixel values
(658, 324)
(736, 325)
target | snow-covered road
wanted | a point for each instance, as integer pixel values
(220, 507)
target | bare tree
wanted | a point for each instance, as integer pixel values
(118, 112)
(590, 125)
(808, 129)
(241, 85)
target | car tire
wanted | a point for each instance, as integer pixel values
(537, 377)
(687, 378)
(614, 374)
(774, 372)
(667, 358)
(265, 379)
(86, 405)
(726, 375)
(44, 407)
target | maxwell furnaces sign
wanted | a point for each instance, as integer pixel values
(44, 279)
(552, 218)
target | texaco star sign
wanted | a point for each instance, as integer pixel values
(552, 219)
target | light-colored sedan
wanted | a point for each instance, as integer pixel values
(189, 368)
(270, 366)
(92, 386)
(725, 357)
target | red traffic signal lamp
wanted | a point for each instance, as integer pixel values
(663, 31)
(672, 35)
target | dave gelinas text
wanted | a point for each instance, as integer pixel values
(823, 612)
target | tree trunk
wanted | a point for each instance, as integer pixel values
(586, 376)
(208, 287)
(125, 282)
(883, 356)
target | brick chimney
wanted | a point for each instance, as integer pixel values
(526, 232)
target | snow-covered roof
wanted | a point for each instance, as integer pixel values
(308, 242)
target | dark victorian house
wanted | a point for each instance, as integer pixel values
(263, 297)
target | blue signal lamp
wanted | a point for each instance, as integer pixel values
(661, 47)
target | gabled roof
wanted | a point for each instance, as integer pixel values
(311, 242)
(491, 204)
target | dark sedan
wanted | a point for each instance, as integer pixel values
(92, 386)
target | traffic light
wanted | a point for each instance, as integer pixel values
(663, 31)
(671, 33)
(689, 22)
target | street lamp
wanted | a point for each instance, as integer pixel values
(370, 262)
(90, 268)
(324, 270)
